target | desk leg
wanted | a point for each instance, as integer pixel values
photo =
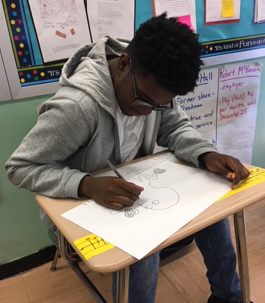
(122, 295)
(241, 244)
(73, 261)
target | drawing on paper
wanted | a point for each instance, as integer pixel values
(162, 197)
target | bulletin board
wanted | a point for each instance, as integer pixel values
(25, 75)
(222, 42)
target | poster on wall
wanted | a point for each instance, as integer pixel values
(201, 104)
(61, 27)
(183, 9)
(222, 11)
(259, 8)
(239, 86)
(223, 107)
(111, 18)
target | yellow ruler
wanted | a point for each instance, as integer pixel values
(257, 175)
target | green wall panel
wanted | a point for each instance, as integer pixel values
(22, 233)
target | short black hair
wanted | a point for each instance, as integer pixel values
(168, 50)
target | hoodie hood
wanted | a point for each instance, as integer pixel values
(87, 70)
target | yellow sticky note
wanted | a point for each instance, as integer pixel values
(92, 245)
(257, 175)
(228, 8)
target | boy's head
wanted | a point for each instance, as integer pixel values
(161, 61)
(169, 51)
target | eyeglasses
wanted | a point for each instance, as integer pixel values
(144, 104)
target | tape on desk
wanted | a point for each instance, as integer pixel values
(257, 175)
(92, 245)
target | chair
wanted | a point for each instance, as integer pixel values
(70, 251)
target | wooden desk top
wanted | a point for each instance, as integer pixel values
(116, 259)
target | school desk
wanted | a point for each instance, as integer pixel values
(116, 260)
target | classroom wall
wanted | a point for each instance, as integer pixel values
(258, 155)
(22, 233)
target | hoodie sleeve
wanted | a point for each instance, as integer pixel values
(38, 163)
(178, 135)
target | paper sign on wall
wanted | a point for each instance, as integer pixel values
(224, 105)
(222, 11)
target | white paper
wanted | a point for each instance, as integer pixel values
(113, 18)
(173, 195)
(213, 11)
(237, 109)
(223, 107)
(129, 171)
(201, 104)
(177, 8)
(260, 11)
(61, 27)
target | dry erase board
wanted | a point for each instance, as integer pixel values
(25, 74)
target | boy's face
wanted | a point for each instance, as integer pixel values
(128, 86)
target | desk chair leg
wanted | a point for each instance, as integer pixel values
(123, 285)
(87, 283)
(55, 259)
(241, 244)
(73, 261)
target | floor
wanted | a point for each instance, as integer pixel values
(181, 278)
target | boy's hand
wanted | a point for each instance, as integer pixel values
(230, 167)
(110, 192)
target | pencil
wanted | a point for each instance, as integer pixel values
(115, 170)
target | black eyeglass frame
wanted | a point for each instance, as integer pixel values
(144, 104)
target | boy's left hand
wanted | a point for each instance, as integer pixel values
(230, 167)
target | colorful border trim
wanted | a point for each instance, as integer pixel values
(39, 74)
(232, 45)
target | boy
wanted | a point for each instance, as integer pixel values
(115, 103)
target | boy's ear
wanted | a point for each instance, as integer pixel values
(124, 62)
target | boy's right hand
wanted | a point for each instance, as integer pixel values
(110, 192)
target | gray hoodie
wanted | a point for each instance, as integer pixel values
(76, 132)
